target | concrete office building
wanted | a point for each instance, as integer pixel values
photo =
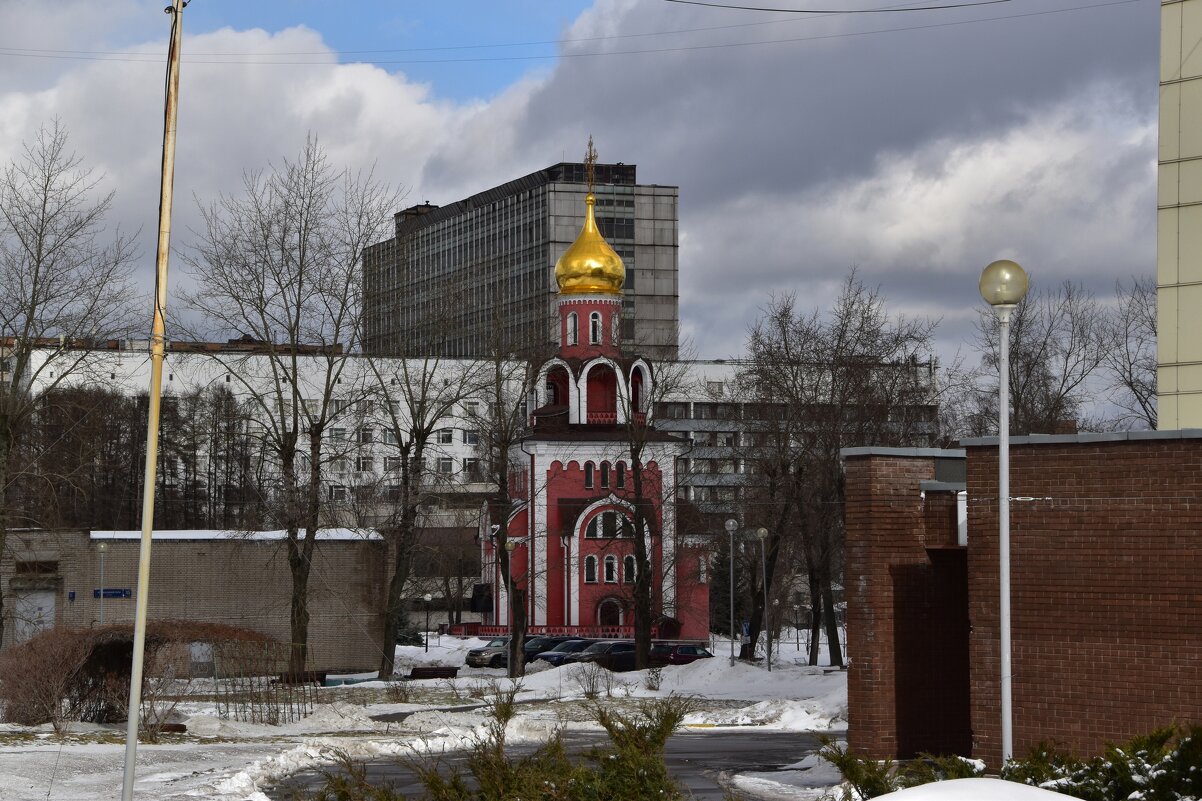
(457, 280)
(1179, 218)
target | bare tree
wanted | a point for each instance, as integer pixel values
(850, 377)
(419, 396)
(505, 383)
(646, 492)
(63, 283)
(279, 266)
(1057, 344)
(1129, 354)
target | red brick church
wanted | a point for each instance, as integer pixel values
(570, 534)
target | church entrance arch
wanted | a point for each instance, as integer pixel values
(609, 612)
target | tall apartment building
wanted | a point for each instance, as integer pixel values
(458, 280)
(1179, 218)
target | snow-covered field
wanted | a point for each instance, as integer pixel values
(224, 760)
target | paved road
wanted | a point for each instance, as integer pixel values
(699, 759)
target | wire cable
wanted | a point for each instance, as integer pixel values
(151, 59)
(886, 10)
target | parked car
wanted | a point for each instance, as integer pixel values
(676, 653)
(616, 655)
(495, 654)
(533, 646)
(557, 655)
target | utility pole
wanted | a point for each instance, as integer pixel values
(157, 346)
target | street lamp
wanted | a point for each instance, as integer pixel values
(762, 533)
(1004, 285)
(427, 598)
(732, 525)
(102, 548)
(512, 667)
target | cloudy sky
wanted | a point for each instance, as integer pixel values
(917, 145)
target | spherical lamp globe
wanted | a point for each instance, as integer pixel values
(1003, 283)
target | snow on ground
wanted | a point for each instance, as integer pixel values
(225, 760)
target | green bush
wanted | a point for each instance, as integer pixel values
(1165, 765)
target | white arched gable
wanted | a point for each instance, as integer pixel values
(540, 388)
(608, 502)
(640, 366)
(580, 412)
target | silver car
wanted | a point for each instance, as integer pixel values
(495, 654)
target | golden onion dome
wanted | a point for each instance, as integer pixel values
(590, 266)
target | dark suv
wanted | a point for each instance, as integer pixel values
(677, 653)
(616, 655)
(560, 653)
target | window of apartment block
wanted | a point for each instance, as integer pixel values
(446, 466)
(366, 436)
(471, 467)
(392, 464)
(471, 408)
(338, 434)
(337, 492)
(471, 437)
(726, 439)
(446, 436)
(672, 410)
(364, 464)
(388, 436)
(341, 465)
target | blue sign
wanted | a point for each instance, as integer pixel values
(113, 592)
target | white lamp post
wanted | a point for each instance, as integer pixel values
(427, 598)
(1003, 285)
(732, 526)
(762, 533)
(101, 548)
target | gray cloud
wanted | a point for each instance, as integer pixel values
(917, 155)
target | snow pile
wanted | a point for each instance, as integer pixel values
(976, 789)
(225, 760)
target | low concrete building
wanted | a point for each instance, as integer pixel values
(80, 579)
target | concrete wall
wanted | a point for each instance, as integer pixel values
(234, 581)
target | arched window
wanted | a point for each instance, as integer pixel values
(589, 470)
(628, 569)
(594, 328)
(590, 570)
(573, 333)
(609, 525)
(611, 569)
(605, 475)
(552, 394)
(620, 477)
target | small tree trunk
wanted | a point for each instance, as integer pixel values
(394, 612)
(832, 623)
(299, 564)
(517, 614)
(815, 615)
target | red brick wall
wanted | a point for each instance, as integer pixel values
(1106, 592)
(906, 610)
